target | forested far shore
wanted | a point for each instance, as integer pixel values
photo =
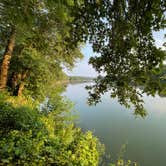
(80, 79)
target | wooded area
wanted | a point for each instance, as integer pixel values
(38, 38)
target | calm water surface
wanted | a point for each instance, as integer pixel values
(145, 139)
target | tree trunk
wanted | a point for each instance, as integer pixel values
(6, 60)
(22, 83)
(13, 80)
(20, 89)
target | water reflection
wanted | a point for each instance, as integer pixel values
(115, 126)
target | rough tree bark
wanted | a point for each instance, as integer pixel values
(6, 60)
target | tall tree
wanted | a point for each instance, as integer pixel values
(16, 18)
(44, 28)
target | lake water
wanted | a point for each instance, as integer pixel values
(115, 126)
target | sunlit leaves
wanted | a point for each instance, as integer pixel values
(33, 137)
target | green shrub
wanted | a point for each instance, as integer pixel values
(30, 137)
(20, 118)
(21, 148)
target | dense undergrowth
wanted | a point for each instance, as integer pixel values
(43, 135)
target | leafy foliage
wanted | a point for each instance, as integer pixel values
(32, 133)
(42, 46)
(33, 137)
(121, 34)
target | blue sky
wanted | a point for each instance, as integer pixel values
(82, 68)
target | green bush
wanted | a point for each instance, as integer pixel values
(30, 137)
(21, 118)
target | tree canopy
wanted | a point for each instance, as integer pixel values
(121, 33)
(39, 37)
(35, 45)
